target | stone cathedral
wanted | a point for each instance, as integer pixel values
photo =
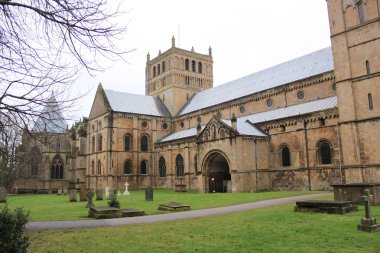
(303, 124)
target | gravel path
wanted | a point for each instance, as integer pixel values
(43, 225)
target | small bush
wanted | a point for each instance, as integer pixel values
(113, 202)
(12, 230)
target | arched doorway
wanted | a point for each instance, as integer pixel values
(218, 173)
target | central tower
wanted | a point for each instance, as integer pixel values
(176, 75)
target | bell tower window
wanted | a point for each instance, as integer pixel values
(361, 12)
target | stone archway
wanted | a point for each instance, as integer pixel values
(218, 173)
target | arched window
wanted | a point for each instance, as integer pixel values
(57, 168)
(285, 156)
(361, 12)
(127, 142)
(200, 67)
(179, 167)
(158, 69)
(214, 132)
(370, 101)
(127, 167)
(205, 136)
(100, 142)
(144, 143)
(368, 68)
(163, 67)
(58, 144)
(99, 167)
(93, 144)
(222, 133)
(93, 167)
(154, 71)
(162, 167)
(196, 164)
(324, 152)
(187, 64)
(193, 66)
(144, 167)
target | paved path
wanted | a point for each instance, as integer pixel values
(42, 225)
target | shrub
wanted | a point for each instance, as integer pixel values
(12, 230)
(113, 202)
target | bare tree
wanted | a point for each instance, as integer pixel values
(10, 139)
(43, 46)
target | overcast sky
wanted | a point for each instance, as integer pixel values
(245, 36)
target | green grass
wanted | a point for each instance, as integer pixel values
(53, 207)
(273, 229)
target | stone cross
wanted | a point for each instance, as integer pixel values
(90, 195)
(367, 198)
(126, 189)
(368, 223)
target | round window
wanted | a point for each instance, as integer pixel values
(144, 124)
(301, 95)
(165, 126)
(199, 119)
(242, 109)
(270, 102)
(333, 87)
(219, 115)
(182, 124)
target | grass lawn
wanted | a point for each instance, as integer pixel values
(46, 207)
(272, 229)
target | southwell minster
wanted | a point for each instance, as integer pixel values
(303, 124)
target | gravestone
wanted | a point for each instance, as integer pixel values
(107, 192)
(229, 186)
(59, 191)
(173, 206)
(90, 195)
(118, 193)
(73, 195)
(368, 223)
(65, 191)
(111, 193)
(3, 195)
(126, 192)
(149, 193)
(99, 194)
(83, 194)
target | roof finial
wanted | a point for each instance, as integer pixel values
(173, 41)
(210, 51)
(159, 52)
(148, 57)
(192, 49)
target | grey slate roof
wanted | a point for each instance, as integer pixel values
(50, 118)
(309, 65)
(137, 104)
(245, 128)
(293, 110)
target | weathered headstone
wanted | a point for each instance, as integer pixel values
(149, 193)
(90, 195)
(118, 193)
(73, 195)
(99, 194)
(229, 186)
(126, 192)
(65, 191)
(3, 195)
(107, 190)
(111, 193)
(59, 191)
(368, 223)
(83, 194)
